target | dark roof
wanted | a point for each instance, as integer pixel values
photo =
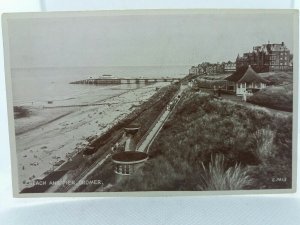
(133, 125)
(89, 150)
(132, 128)
(237, 74)
(132, 131)
(246, 75)
(252, 77)
(129, 156)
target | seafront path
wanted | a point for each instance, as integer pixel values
(146, 141)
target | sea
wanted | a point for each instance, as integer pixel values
(37, 86)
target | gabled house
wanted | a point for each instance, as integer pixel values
(267, 57)
(245, 81)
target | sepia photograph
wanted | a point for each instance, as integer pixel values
(145, 102)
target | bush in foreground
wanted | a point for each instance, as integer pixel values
(219, 177)
(263, 140)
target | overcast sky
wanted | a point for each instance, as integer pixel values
(135, 40)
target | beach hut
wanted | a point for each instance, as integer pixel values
(245, 81)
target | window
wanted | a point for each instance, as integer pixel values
(119, 168)
(127, 169)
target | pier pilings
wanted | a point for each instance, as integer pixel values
(124, 81)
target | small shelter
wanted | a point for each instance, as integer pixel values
(126, 163)
(245, 81)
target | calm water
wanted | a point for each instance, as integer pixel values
(37, 86)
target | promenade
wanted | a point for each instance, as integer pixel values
(149, 137)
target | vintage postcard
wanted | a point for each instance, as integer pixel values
(152, 102)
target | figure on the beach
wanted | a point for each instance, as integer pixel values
(219, 91)
(244, 96)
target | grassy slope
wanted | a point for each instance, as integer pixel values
(276, 97)
(278, 78)
(279, 95)
(203, 129)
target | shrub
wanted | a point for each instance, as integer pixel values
(263, 140)
(218, 177)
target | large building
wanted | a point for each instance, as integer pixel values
(229, 67)
(194, 70)
(267, 57)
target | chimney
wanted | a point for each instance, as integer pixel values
(282, 43)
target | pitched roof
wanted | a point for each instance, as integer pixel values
(246, 75)
(237, 75)
(252, 77)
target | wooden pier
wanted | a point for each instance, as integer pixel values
(124, 80)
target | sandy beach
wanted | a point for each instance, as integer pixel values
(48, 135)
